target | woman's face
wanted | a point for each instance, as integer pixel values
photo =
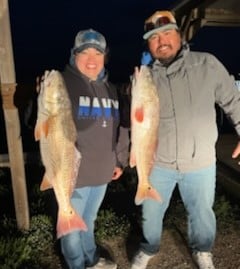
(90, 62)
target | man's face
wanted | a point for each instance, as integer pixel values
(164, 45)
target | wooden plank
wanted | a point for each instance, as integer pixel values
(229, 5)
(194, 14)
(7, 76)
(29, 159)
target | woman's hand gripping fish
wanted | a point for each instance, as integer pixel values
(57, 134)
(145, 113)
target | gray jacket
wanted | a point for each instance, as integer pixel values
(188, 90)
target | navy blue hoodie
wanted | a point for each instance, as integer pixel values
(102, 143)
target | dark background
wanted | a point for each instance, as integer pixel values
(43, 34)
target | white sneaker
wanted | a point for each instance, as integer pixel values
(203, 260)
(141, 260)
(103, 264)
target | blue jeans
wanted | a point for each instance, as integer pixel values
(197, 190)
(79, 248)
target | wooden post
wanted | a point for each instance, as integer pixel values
(15, 151)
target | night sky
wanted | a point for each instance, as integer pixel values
(43, 33)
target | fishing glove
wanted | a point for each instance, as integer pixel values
(146, 58)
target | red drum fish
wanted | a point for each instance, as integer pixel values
(145, 113)
(56, 131)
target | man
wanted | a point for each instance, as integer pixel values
(189, 84)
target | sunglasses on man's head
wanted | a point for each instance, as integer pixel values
(161, 21)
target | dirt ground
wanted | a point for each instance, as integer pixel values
(174, 253)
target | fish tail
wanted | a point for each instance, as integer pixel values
(146, 192)
(69, 223)
(45, 185)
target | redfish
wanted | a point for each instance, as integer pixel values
(57, 133)
(145, 113)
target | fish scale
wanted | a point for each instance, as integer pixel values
(56, 131)
(145, 114)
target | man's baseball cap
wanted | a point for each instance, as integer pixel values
(159, 21)
(89, 39)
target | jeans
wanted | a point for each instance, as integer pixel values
(79, 248)
(197, 190)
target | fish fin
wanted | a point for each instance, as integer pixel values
(41, 129)
(146, 192)
(132, 160)
(37, 132)
(45, 185)
(45, 128)
(68, 223)
(139, 114)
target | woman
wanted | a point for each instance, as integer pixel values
(102, 143)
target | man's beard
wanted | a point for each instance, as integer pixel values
(167, 61)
